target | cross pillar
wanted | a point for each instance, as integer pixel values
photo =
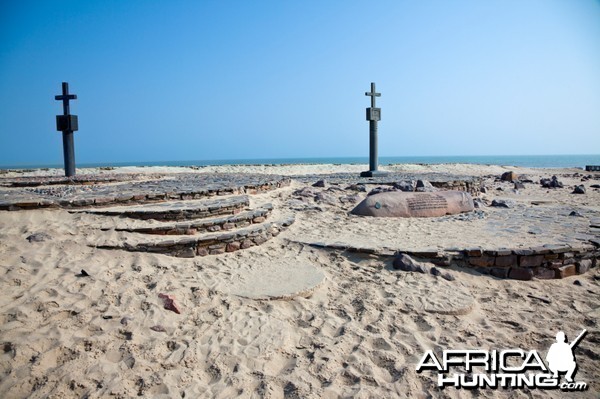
(67, 124)
(373, 116)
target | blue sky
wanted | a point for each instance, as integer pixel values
(201, 80)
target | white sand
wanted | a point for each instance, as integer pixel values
(359, 333)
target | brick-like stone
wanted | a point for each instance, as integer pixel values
(259, 219)
(217, 251)
(523, 252)
(554, 265)
(531, 261)
(247, 244)
(482, 261)
(233, 246)
(566, 271)
(202, 251)
(500, 272)
(518, 273)
(567, 255)
(551, 256)
(474, 252)
(506, 261)
(583, 266)
(544, 273)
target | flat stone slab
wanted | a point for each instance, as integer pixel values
(238, 220)
(177, 210)
(184, 186)
(278, 281)
(415, 204)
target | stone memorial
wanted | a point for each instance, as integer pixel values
(373, 116)
(67, 124)
(415, 204)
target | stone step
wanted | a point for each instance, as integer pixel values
(210, 225)
(209, 244)
(177, 210)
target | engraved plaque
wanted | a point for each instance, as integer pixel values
(373, 114)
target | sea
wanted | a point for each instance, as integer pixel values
(536, 161)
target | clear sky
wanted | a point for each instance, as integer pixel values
(205, 80)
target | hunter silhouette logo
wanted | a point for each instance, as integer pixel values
(560, 356)
(509, 368)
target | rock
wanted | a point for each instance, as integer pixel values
(595, 186)
(320, 183)
(357, 187)
(483, 190)
(517, 273)
(551, 183)
(83, 273)
(38, 237)
(306, 192)
(579, 189)
(503, 203)
(350, 199)
(406, 186)
(158, 328)
(576, 214)
(401, 204)
(447, 276)
(423, 186)
(577, 282)
(509, 176)
(169, 303)
(583, 266)
(407, 264)
(380, 189)
(519, 186)
(478, 203)
(326, 198)
(435, 271)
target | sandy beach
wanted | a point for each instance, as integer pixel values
(292, 316)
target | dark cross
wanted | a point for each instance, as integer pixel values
(65, 97)
(373, 116)
(372, 94)
(67, 124)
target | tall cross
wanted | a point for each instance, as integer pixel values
(372, 94)
(65, 97)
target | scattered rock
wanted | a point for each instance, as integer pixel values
(551, 183)
(169, 303)
(407, 264)
(382, 189)
(407, 186)
(576, 214)
(306, 192)
(320, 183)
(357, 187)
(577, 282)
(447, 276)
(326, 198)
(509, 176)
(125, 320)
(350, 199)
(579, 189)
(158, 328)
(595, 186)
(483, 190)
(38, 237)
(503, 203)
(83, 273)
(424, 186)
(478, 203)
(519, 186)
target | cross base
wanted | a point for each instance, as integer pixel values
(373, 173)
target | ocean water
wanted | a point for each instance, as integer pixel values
(537, 161)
